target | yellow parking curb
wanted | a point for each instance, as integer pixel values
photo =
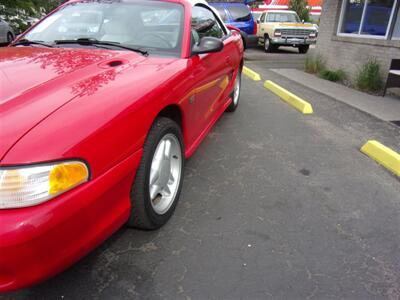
(298, 103)
(251, 74)
(383, 155)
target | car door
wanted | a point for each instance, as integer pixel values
(260, 25)
(211, 73)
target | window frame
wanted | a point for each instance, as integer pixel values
(225, 32)
(393, 20)
(366, 36)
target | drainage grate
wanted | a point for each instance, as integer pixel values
(397, 123)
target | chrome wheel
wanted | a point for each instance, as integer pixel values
(266, 43)
(236, 90)
(165, 173)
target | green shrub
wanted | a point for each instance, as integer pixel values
(302, 9)
(368, 77)
(335, 76)
(314, 64)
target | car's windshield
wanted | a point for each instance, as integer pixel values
(154, 26)
(256, 15)
(283, 17)
(240, 13)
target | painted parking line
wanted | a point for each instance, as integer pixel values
(290, 98)
(383, 155)
(251, 74)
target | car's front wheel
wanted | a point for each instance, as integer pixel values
(235, 95)
(10, 37)
(268, 47)
(159, 178)
(304, 49)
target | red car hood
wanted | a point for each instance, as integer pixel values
(35, 82)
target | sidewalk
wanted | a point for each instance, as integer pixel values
(385, 108)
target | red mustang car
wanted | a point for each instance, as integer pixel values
(100, 104)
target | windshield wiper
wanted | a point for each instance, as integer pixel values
(26, 42)
(94, 42)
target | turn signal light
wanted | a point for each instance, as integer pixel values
(31, 185)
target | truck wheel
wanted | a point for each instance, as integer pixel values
(304, 48)
(268, 47)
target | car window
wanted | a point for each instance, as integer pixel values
(262, 19)
(221, 12)
(151, 25)
(204, 24)
(240, 13)
(282, 17)
(256, 15)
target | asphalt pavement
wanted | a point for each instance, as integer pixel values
(275, 205)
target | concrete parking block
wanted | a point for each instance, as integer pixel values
(383, 155)
(251, 74)
(295, 101)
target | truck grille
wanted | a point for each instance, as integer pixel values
(296, 32)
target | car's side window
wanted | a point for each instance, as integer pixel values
(262, 18)
(204, 24)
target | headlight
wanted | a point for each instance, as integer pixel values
(313, 34)
(277, 33)
(30, 185)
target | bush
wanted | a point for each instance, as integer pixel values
(20, 13)
(301, 8)
(314, 64)
(369, 77)
(335, 76)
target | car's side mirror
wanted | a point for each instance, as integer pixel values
(258, 21)
(208, 44)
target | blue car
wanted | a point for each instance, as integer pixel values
(238, 15)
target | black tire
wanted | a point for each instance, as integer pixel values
(233, 106)
(10, 37)
(304, 49)
(244, 42)
(143, 215)
(268, 47)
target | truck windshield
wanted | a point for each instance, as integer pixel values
(154, 26)
(283, 17)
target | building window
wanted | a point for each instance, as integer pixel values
(367, 17)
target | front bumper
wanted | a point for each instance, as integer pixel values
(39, 241)
(293, 41)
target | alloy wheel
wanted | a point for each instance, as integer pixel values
(165, 173)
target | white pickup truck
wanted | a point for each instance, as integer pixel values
(284, 28)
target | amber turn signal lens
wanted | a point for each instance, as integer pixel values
(65, 176)
(31, 185)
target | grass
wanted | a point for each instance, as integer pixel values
(335, 76)
(315, 64)
(368, 77)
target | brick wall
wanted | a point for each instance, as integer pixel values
(349, 53)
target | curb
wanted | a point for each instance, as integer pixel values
(251, 74)
(295, 101)
(383, 155)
